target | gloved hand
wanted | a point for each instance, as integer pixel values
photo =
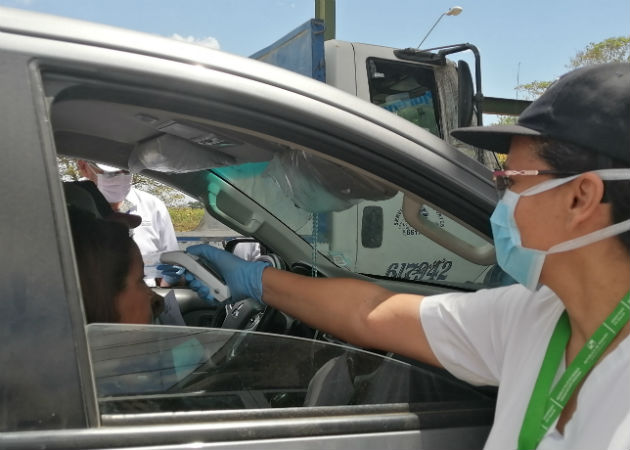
(170, 273)
(243, 278)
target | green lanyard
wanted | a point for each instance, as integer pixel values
(544, 407)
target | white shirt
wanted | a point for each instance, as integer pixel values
(155, 234)
(499, 337)
(248, 251)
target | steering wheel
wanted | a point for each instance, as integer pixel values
(245, 314)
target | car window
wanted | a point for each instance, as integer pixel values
(246, 178)
(407, 90)
(146, 368)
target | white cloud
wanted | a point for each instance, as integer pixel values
(205, 42)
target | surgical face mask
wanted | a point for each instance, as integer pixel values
(114, 187)
(525, 264)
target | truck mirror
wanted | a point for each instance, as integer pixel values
(372, 227)
(465, 94)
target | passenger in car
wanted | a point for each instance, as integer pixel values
(110, 266)
(561, 230)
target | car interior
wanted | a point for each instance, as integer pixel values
(314, 214)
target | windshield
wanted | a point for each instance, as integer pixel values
(354, 221)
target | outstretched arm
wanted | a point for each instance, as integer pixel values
(359, 312)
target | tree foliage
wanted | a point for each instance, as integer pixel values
(614, 49)
(506, 120)
(534, 89)
(68, 169)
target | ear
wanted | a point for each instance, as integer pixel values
(587, 191)
(83, 169)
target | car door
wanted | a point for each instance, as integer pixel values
(72, 95)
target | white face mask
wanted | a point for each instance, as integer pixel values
(114, 187)
(525, 264)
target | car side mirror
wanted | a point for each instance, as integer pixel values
(465, 97)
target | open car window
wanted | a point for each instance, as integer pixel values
(147, 368)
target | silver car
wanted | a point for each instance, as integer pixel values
(327, 184)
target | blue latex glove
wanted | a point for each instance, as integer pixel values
(244, 278)
(170, 273)
(201, 289)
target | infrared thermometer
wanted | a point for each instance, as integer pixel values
(201, 270)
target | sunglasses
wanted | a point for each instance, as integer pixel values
(502, 179)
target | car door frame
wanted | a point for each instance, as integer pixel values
(41, 314)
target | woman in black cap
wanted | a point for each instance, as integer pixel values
(110, 266)
(556, 344)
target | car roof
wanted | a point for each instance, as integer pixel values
(63, 39)
(98, 35)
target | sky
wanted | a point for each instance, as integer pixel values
(519, 41)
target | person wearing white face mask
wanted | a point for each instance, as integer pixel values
(557, 344)
(156, 233)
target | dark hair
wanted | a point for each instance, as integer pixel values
(569, 157)
(103, 251)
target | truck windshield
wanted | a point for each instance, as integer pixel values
(407, 90)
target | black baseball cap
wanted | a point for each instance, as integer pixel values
(588, 107)
(85, 196)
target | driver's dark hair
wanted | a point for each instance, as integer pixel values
(103, 251)
(564, 156)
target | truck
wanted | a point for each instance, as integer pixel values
(436, 94)
(422, 86)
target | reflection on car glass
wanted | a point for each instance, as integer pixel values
(155, 368)
(318, 185)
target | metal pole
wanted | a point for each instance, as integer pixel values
(325, 10)
(430, 30)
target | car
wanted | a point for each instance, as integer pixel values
(329, 186)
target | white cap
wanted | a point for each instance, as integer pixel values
(108, 169)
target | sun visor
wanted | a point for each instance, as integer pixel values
(318, 185)
(172, 154)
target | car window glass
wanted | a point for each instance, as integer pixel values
(146, 368)
(407, 90)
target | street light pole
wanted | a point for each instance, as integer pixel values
(325, 10)
(454, 11)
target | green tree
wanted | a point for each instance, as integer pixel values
(534, 89)
(614, 49)
(68, 169)
(171, 197)
(506, 120)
